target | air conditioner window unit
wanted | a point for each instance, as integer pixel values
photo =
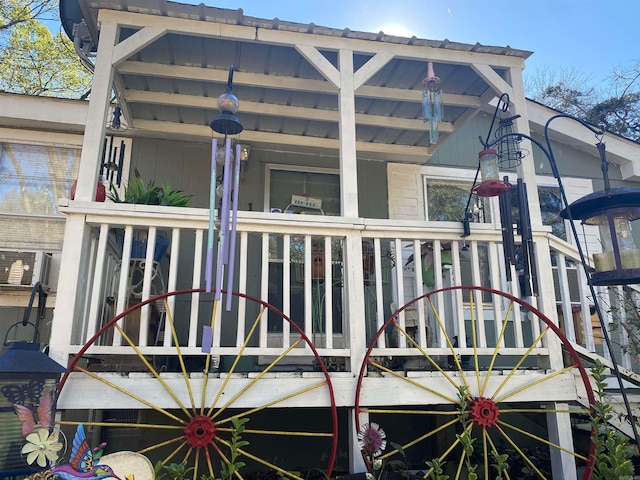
(24, 269)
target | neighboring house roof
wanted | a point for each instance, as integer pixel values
(620, 151)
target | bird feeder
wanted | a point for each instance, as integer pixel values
(612, 210)
(491, 185)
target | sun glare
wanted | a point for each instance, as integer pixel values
(396, 30)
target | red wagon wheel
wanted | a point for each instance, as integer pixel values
(190, 417)
(483, 411)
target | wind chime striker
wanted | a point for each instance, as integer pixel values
(432, 108)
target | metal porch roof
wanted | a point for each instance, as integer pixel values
(169, 88)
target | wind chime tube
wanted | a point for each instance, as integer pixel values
(234, 218)
(212, 215)
(224, 220)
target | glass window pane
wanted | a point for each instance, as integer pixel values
(33, 180)
(324, 186)
(447, 199)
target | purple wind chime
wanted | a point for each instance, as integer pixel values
(226, 124)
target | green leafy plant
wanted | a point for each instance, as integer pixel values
(500, 464)
(175, 471)
(139, 192)
(436, 471)
(465, 438)
(612, 456)
(228, 469)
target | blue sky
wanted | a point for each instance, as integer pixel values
(590, 36)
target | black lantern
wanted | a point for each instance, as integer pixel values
(612, 210)
(27, 376)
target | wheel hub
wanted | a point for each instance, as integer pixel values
(484, 412)
(200, 431)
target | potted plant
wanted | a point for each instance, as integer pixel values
(139, 192)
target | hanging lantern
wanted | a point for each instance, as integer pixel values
(27, 378)
(491, 185)
(612, 211)
(432, 108)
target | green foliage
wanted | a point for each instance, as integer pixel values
(235, 444)
(612, 457)
(33, 61)
(14, 12)
(175, 471)
(436, 470)
(500, 464)
(139, 192)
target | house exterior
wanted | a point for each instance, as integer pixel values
(342, 189)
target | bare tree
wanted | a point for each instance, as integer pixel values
(615, 107)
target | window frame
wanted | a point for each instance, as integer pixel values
(269, 167)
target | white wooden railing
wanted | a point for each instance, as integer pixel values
(286, 260)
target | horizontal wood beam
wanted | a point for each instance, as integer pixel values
(280, 141)
(208, 103)
(257, 80)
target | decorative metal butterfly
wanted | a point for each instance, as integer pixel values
(26, 394)
(83, 458)
(43, 415)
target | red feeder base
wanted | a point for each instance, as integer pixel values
(491, 188)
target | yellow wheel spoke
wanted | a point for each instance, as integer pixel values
(183, 368)
(285, 433)
(520, 362)
(495, 450)
(129, 394)
(460, 465)
(207, 362)
(427, 356)
(449, 343)
(286, 473)
(164, 444)
(496, 350)
(411, 412)
(421, 438)
(474, 339)
(122, 424)
(546, 410)
(151, 369)
(485, 452)
(246, 413)
(541, 440)
(235, 362)
(413, 382)
(534, 383)
(520, 452)
(254, 380)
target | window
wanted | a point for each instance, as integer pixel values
(33, 180)
(446, 201)
(283, 182)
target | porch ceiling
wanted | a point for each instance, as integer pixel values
(169, 87)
